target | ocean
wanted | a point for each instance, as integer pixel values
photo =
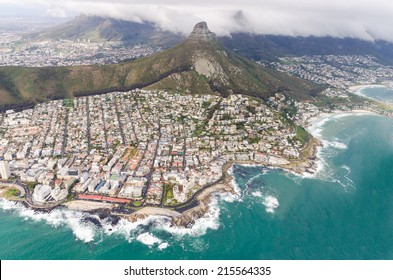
(380, 93)
(343, 212)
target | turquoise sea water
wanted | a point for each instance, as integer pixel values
(379, 93)
(345, 212)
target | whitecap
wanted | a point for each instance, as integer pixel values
(163, 246)
(148, 239)
(337, 145)
(235, 185)
(58, 217)
(257, 194)
(271, 203)
(209, 221)
(139, 230)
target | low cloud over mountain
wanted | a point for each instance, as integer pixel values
(352, 18)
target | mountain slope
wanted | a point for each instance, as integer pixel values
(198, 65)
(108, 29)
(269, 47)
(259, 47)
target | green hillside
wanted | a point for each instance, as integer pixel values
(198, 65)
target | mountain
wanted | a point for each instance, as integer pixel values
(269, 47)
(108, 29)
(198, 65)
(257, 47)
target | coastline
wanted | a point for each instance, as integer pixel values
(306, 166)
(358, 88)
(200, 204)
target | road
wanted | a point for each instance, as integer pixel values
(151, 171)
(63, 146)
(22, 191)
(119, 122)
(133, 128)
(184, 146)
(88, 125)
(104, 125)
(29, 198)
(47, 131)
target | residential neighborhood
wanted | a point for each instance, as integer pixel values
(68, 52)
(337, 71)
(144, 147)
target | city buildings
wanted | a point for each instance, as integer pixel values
(5, 170)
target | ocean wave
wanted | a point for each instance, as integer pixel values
(337, 145)
(82, 230)
(347, 168)
(271, 203)
(235, 185)
(257, 194)
(210, 221)
(148, 239)
(90, 228)
(163, 246)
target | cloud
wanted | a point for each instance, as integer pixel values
(351, 18)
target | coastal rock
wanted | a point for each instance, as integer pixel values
(188, 218)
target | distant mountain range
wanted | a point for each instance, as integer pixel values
(258, 47)
(269, 47)
(108, 29)
(198, 65)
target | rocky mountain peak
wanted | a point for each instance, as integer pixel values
(202, 33)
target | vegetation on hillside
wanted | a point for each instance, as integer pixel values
(172, 69)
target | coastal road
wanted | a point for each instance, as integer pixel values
(22, 191)
(29, 198)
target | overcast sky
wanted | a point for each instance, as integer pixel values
(364, 19)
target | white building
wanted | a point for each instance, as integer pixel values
(5, 170)
(59, 194)
(41, 193)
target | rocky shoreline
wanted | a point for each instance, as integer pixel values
(308, 164)
(202, 201)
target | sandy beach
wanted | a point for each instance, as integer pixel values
(314, 123)
(356, 89)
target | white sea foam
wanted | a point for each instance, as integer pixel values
(236, 187)
(163, 246)
(346, 167)
(315, 127)
(209, 221)
(58, 217)
(257, 194)
(140, 230)
(337, 145)
(271, 203)
(148, 239)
